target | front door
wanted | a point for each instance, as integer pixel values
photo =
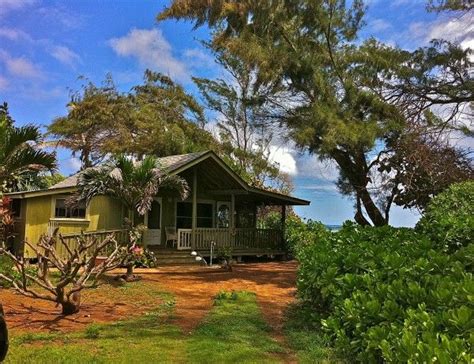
(223, 214)
(152, 235)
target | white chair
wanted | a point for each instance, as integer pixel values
(171, 235)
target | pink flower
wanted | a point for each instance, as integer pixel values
(137, 250)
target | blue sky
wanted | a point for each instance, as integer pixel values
(46, 45)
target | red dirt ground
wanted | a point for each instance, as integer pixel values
(193, 287)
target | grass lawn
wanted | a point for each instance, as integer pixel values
(307, 340)
(233, 331)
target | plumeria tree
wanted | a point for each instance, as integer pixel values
(135, 184)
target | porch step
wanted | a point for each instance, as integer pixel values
(167, 257)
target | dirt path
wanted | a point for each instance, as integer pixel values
(193, 287)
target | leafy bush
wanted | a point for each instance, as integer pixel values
(449, 218)
(300, 233)
(390, 294)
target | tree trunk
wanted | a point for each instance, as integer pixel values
(354, 167)
(129, 270)
(359, 216)
(71, 305)
(372, 210)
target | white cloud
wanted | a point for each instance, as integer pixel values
(10, 5)
(72, 164)
(62, 15)
(311, 166)
(284, 158)
(152, 50)
(14, 34)
(379, 25)
(20, 66)
(199, 58)
(65, 55)
(322, 187)
(456, 29)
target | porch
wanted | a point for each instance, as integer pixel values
(241, 241)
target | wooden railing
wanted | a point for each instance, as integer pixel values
(237, 239)
(121, 235)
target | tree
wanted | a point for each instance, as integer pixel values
(20, 153)
(164, 120)
(425, 166)
(75, 270)
(134, 184)
(306, 46)
(244, 111)
(33, 181)
(336, 105)
(93, 112)
(155, 118)
(450, 5)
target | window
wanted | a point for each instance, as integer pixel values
(62, 210)
(184, 215)
(245, 216)
(16, 207)
(223, 215)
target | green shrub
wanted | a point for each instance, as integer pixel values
(449, 218)
(387, 294)
(300, 233)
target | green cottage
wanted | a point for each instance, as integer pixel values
(221, 209)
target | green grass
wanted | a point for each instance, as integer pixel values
(135, 341)
(306, 338)
(233, 331)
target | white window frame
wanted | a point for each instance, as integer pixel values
(53, 217)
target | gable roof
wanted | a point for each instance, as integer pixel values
(174, 164)
(170, 163)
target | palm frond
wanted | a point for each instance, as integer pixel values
(17, 137)
(28, 158)
(175, 184)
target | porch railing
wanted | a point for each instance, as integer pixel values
(121, 235)
(237, 239)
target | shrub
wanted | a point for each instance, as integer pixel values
(300, 233)
(449, 218)
(387, 294)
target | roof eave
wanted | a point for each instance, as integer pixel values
(39, 193)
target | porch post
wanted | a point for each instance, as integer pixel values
(283, 219)
(232, 219)
(194, 213)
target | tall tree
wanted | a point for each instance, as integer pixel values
(157, 118)
(336, 106)
(20, 152)
(308, 47)
(244, 112)
(163, 120)
(93, 113)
